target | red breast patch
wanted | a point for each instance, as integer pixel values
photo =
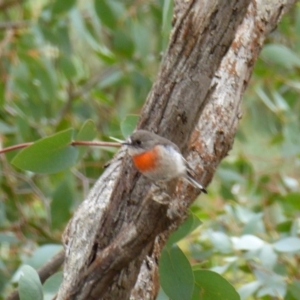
(146, 161)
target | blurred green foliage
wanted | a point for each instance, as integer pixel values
(63, 62)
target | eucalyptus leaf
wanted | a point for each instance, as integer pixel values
(189, 225)
(128, 125)
(43, 254)
(212, 286)
(281, 55)
(105, 13)
(176, 275)
(61, 205)
(51, 285)
(30, 286)
(48, 155)
(87, 132)
(247, 242)
(288, 244)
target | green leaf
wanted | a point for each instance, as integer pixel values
(266, 99)
(6, 128)
(176, 275)
(140, 36)
(66, 66)
(190, 224)
(106, 55)
(291, 144)
(9, 238)
(284, 226)
(62, 39)
(272, 284)
(42, 254)
(122, 43)
(111, 79)
(289, 244)
(30, 286)
(247, 242)
(167, 16)
(60, 7)
(280, 101)
(249, 289)
(167, 21)
(162, 295)
(48, 155)
(61, 205)
(293, 200)
(51, 285)
(281, 55)
(105, 13)
(221, 241)
(3, 208)
(294, 288)
(267, 256)
(87, 132)
(212, 286)
(128, 125)
(230, 176)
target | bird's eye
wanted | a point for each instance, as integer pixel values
(138, 142)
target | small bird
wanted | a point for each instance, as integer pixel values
(158, 158)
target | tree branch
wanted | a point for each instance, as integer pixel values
(114, 229)
(219, 120)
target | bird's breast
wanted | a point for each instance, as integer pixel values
(161, 163)
(146, 161)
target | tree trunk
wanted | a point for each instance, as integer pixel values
(114, 240)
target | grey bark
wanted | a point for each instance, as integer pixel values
(113, 242)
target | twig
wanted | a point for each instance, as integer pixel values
(15, 147)
(14, 24)
(75, 143)
(45, 271)
(52, 266)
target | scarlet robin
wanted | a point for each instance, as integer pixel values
(158, 158)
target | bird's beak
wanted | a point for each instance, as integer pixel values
(127, 143)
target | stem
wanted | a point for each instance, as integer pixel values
(75, 143)
(15, 147)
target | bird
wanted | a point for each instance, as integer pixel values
(158, 158)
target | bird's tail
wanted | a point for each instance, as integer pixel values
(195, 183)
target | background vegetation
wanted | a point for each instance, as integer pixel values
(63, 62)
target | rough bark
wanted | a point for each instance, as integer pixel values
(114, 240)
